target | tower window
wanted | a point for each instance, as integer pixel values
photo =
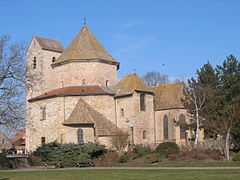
(80, 136)
(142, 102)
(43, 140)
(107, 83)
(83, 82)
(122, 112)
(34, 63)
(53, 59)
(43, 113)
(144, 134)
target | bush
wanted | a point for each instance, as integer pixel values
(142, 150)
(4, 161)
(124, 158)
(167, 148)
(154, 157)
(236, 157)
(69, 153)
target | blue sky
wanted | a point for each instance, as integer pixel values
(141, 34)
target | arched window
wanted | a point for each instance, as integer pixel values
(53, 59)
(43, 113)
(107, 83)
(182, 125)
(80, 136)
(122, 112)
(43, 140)
(83, 82)
(34, 63)
(142, 102)
(144, 134)
(165, 127)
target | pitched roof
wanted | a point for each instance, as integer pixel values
(19, 138)
(130, 83)
(72, 91)
(49, 44)
(85, 46)
(168, 96)
(83, 113)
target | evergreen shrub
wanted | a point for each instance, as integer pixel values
(167, 148)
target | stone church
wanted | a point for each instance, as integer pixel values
(79, 99)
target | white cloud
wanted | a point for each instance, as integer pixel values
(131, 24)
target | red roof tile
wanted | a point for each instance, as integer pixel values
(72, 91)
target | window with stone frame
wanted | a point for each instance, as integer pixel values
(142, 102)
(165, 127)
(182, 124)
(107, 83)
(43, 113)
(43, 140)
(122, 112)
(34, 62)
(144, 134)
(53, 59)
(80, 136)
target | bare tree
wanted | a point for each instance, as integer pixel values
(155, 78)
(14, 80)
(194, 101)
(120, 142)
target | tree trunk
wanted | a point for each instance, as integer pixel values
(197, 128)
(227, 155)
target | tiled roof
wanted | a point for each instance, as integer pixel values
(49, 44)
(168, 96)
(19, 138)
(84, 47)
(72, 91)
(83, 114)
(130, 83)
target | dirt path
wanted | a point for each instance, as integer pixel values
(123, 168)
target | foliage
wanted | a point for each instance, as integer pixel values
(69, 153)
(155, 79)
(123, 158)
(142, 150)
(4, 161)
(154, 157)
(236, 157)
(120, 142)
(167, 148)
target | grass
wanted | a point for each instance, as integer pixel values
(122, 175)
(183, 164)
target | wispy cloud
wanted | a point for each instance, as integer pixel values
(136, 45)
(131, 24)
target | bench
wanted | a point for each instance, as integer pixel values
(55, 164)
(84, 164)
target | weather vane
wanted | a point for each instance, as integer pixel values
(84, 21)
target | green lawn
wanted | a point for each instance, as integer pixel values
(122, 175)
(184, 164)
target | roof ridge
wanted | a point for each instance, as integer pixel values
(46, 38)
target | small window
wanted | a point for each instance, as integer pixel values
(107, 83)
(144, 134)
(83, 82)
(80, 136)
(142, 102)
(34, 63)
(122, 112)
(2, 141)
(43, 140)
(43, 113)
(53, 59)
